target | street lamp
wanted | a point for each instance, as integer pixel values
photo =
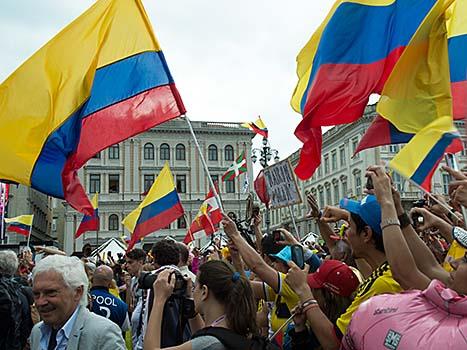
(265, 155)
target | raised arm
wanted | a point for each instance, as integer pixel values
(402, 263)
(250, 256)
(423, 256)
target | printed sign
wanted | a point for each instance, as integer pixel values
(281, 185)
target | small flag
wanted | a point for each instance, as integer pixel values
(258, 127)
(90, 222)
(158, 209)
(237, 168)
(206, 221)
(20, 224)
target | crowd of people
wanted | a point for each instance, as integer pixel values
(383, 277)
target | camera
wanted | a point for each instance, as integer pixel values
(421, 203)
(147, 279)
(278, 236)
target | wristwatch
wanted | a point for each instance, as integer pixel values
(389, 222)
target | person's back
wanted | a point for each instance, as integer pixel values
(431, 319)
(15, 312)
(106, 304)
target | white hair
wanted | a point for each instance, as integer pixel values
(70, 268)
(8, 262)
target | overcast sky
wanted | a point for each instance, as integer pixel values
(231, 60)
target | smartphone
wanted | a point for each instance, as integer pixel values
(297, 255)
(369, 183)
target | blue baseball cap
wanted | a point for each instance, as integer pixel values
(285, 254)
(368, 209)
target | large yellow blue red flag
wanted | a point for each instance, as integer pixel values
(101, 80)
(159, 208)
(348, 58)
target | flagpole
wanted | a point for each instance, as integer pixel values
(214, 191)
(3, 219)
(293, 221)
(29, 236)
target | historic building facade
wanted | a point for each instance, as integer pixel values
(122, 173)
(341, 174)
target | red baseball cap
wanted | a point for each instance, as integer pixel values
(335, 276)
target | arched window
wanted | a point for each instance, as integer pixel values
(229, 153)
(113, 222)
(165, 152)
(180, 152)
(212, 152)
(149, 151)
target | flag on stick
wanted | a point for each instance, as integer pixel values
(206, 221)
(101, 80)
(90, 222)
(158, 209)
(237, 168)
(20, 224)
(258, 127)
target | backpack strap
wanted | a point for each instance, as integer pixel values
(227, 337)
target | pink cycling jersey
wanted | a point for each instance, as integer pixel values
(431, 319)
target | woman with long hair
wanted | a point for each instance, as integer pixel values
(222, 297)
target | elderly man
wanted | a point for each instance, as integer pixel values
(60, 287)
(104, 303)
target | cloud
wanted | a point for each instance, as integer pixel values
(232, 60)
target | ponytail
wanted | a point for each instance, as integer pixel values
(234, 292)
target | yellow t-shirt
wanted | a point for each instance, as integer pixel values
(286, 296)
(456, 251)
(379, 282)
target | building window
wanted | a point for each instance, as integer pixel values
(114, 152)
(113, 222)
(97, 155)
(180, 152)
(446, 180)
(148, 181)
(344, 186)
(337, 196)
(229, 153)
(334, 160)
(212, 152)
(230, 186)
(114, 183)
(164, 152)
(354, 147)
(342, 156)
(326, 165)
(321, 197)
(320, 171)
(181, 222)
(148, 151)
(393, 148)
(181, 183)
(328, 194)
(397, 180)
(94, 183)
(358, 183)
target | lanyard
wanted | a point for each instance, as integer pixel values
(217, 321)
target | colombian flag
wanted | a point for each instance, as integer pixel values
(21, 224)
(90, 222)
(419, 159)
(348, 58)
(258, 127)
(101, 80)
(159, 208)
